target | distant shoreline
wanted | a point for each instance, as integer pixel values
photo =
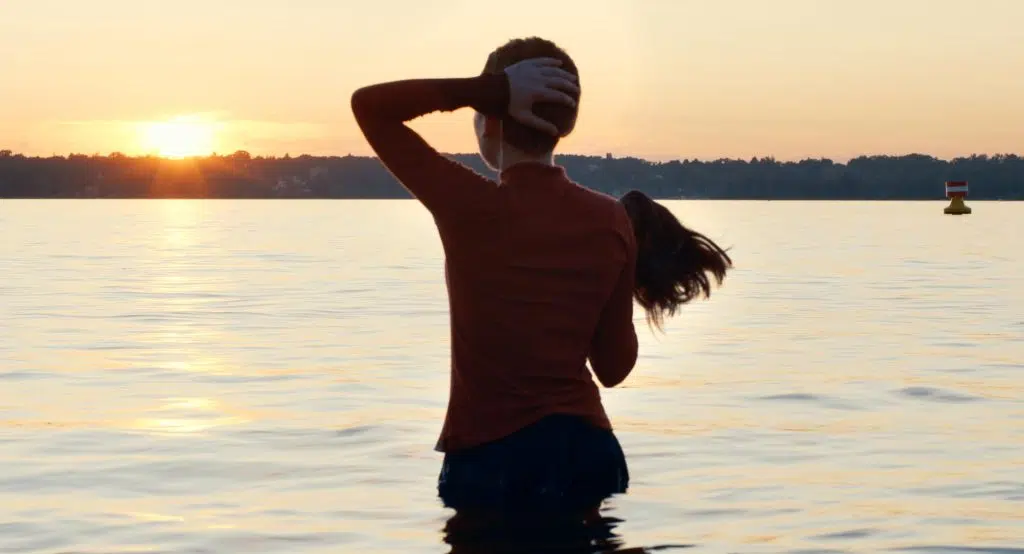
(913, 177)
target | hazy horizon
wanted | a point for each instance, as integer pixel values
(662, 80)
(614, 155)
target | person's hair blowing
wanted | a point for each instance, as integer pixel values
(674, 264)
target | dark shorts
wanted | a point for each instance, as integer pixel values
(559, 464)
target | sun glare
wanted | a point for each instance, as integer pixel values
(180, 137)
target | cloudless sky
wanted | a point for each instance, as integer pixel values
(662, 79)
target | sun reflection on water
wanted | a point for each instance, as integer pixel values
(189, 416)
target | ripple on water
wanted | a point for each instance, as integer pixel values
(27, 375)
(1002, 490)
(846, 535)
(821, 400)
(960, 550)
(933, 394)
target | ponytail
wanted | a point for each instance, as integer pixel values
(674, 265)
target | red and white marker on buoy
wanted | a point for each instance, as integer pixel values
(956, 191)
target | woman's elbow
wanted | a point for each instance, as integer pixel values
(613, 372)
(365, 104)
(611, 380)
(358, 102)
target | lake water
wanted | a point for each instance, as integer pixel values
(270, 377)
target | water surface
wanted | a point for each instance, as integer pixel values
(270, 377)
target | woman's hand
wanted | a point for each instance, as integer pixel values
(538, 80)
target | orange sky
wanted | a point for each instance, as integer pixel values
(662, 79)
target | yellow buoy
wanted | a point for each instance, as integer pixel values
(956, 191)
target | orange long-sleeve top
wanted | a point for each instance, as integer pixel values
(540, 270)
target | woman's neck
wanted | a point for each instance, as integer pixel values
(511, 156)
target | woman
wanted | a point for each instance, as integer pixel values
(542, 274)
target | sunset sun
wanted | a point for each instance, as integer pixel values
(180, 137)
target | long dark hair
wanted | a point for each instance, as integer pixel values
(674, 264)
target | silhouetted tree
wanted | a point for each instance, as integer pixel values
(240, 175)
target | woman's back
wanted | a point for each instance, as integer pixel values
(528, 287)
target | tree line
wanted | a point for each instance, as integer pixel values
(241, 175)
